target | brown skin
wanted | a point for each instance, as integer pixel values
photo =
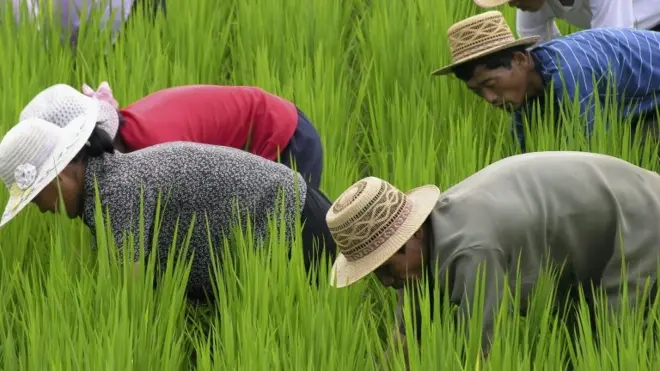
(406, 264)
(71, 183)
(508, 88)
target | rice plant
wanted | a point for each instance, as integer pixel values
(361, 70)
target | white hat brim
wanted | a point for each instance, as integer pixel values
(345, 272)
(71, 140)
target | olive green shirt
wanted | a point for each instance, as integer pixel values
(582, 209)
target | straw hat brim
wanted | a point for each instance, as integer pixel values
(490, 3)
(525, 41)
(71, 140)
(345, 272)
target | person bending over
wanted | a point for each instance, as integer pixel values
(198, 183)
(583, 213)
(586, 67)
(241, 117)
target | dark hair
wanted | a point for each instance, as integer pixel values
(121, 119)
(499, 59)
(98, 144)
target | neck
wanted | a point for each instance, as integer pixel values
(80, 170)
(535, 83)
(119, 144)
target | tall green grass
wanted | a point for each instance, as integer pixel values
(361, 71)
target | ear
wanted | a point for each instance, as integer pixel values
(521, 59)
(419, 233)
(58, 181)
(65, 174)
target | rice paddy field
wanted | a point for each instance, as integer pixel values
(360, 70)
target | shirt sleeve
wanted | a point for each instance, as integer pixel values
(539, 23)
(465, 274)
(612, 13)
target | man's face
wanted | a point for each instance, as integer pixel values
(527, 5)
(404, 266)
(505, 88)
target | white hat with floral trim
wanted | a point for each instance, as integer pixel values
(34, 152)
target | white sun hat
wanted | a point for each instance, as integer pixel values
(62, 103)
(35, 151)
(371, 221)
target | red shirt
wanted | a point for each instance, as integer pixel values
(211, 114)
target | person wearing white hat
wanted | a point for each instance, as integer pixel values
(244, 117)
(202, 184)
(585, 67)
(537, 17)
(582, 211)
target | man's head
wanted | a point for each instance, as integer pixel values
(406, 265)
(524, 5)
(493, 64)
(505, 79)
(380, 229)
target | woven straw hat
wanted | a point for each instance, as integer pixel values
(61, 103)
(490, 3)
(370, 221)
(35, 151)
(478, 36)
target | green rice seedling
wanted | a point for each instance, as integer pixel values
(361, 71)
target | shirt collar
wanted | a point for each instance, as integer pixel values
(546, 77)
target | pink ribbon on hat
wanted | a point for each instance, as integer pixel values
(103, 93)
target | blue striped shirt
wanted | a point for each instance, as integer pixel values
(581, 65)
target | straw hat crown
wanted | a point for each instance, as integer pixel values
(478, 36)
(366, 215)
(26, 149)
(60, 104)
(371, 221)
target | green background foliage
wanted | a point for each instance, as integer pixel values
(360, 70)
